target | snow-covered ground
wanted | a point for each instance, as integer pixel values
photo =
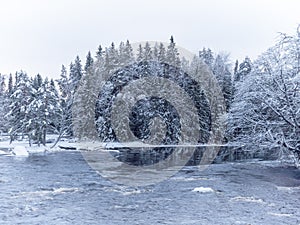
(22, 148)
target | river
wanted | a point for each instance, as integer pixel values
(61, 188)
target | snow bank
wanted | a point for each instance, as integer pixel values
(37, 149)
(20, 151)
(3, 152)
(203, 190)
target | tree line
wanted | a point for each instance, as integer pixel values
(261, 97)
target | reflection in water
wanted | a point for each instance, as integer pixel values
(148, 156)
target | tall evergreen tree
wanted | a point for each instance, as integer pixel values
(89, 62)
(172, 55)
(20, 100)
(10, 85)
(83, 109)
(140, 53)
(75, 73)
(207, 57)
(161, 53)
(56, 111)
(111, 59)
(63, 82)
(244, 69)
(147, 53)
(129, 51)
(3, 105)
(66, 99)
(155, 52)
(125, 53)
(236, 68)
(99, 52)
(222, 72)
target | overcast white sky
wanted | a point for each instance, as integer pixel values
(40, 35)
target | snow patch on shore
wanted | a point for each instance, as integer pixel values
(20, 151)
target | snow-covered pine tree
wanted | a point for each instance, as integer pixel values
(75, 74)
(140, 53)
(129, 52)
(5, 117)
(66, 98)
(155, 52)
(111, 58)
(185, 64)
(207, 57)
(121, 53)
(221, 69)
(235, 70)
(99, 52)
(63, 82)
(161, 53)
(10, 85)
(172, 55)
(88, 62)
(20, 100)
(147, 53)
(35, 124)
(55, 110)
(83, 109)
(125, 54)
(244, 69)
(3, 105)
(44, 110)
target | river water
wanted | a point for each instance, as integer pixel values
(61, 188)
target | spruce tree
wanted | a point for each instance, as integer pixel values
(111, 59)
(75, 74)
(125, 53)
(207, 57)
(99, 52)
(10, 85)
(161, 53)
(244, 69)
(140, 54)
(155, 52)
(66, 99)
(172, 55)
(147, 53)
(89, 62)
(3, 105)
(20, 101)
(235, 70)
(222, 72)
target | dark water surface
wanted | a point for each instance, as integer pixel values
(61, 188)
